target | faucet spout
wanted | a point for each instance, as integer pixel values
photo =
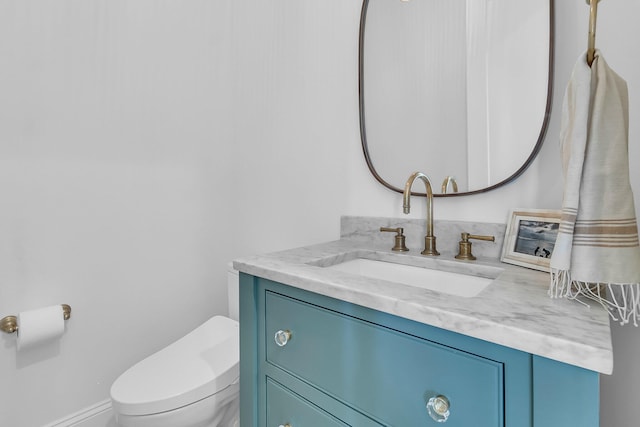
(429, 239)
(445, 184)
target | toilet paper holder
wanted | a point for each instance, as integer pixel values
(9, 324)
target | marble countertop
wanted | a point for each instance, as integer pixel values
(514, 310)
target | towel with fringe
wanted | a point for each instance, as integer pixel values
(597, 254)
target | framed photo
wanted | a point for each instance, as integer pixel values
(530, 238)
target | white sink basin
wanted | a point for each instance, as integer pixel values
(463, 285)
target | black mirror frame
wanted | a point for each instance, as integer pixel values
(516, 174)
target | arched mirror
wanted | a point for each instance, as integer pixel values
(457, 89)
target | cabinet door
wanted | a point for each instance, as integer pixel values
(383, 373)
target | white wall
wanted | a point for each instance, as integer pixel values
(296, 112)
(144, 144)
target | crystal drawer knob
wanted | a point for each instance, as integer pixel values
(282, 337)
(285, 425)
(438, 408)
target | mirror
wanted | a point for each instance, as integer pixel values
(456, 89)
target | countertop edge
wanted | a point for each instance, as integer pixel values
(595, 357)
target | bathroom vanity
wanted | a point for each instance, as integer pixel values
(325, 347)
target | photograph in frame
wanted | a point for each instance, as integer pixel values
(530, 238)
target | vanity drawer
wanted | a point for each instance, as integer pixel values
(383, 373)
(287, 408)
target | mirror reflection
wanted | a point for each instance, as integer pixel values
(457, 89)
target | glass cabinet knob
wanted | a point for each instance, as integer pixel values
(438, 408)
(285, 425)
(282, 337)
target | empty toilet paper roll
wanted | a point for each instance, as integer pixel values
(41, 326)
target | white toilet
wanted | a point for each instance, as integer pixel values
(193, 382)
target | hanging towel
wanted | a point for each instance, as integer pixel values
(597, 254)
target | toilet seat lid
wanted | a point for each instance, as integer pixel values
(196, 366)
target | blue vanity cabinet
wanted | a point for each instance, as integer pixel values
(311, 360)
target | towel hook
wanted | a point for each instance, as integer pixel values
(593, 15)
(9, 324)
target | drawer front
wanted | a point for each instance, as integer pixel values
(285, 408)
(383, 373)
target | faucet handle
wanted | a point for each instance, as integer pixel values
(466, 236)
(464, 249)
(400, 238)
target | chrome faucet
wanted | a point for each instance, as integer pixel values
(429, 239)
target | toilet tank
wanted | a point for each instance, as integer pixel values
(233, 290)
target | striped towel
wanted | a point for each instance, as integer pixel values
(597, 254)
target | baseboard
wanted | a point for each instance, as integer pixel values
(96, 415)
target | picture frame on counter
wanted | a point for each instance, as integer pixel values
(530, 238)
